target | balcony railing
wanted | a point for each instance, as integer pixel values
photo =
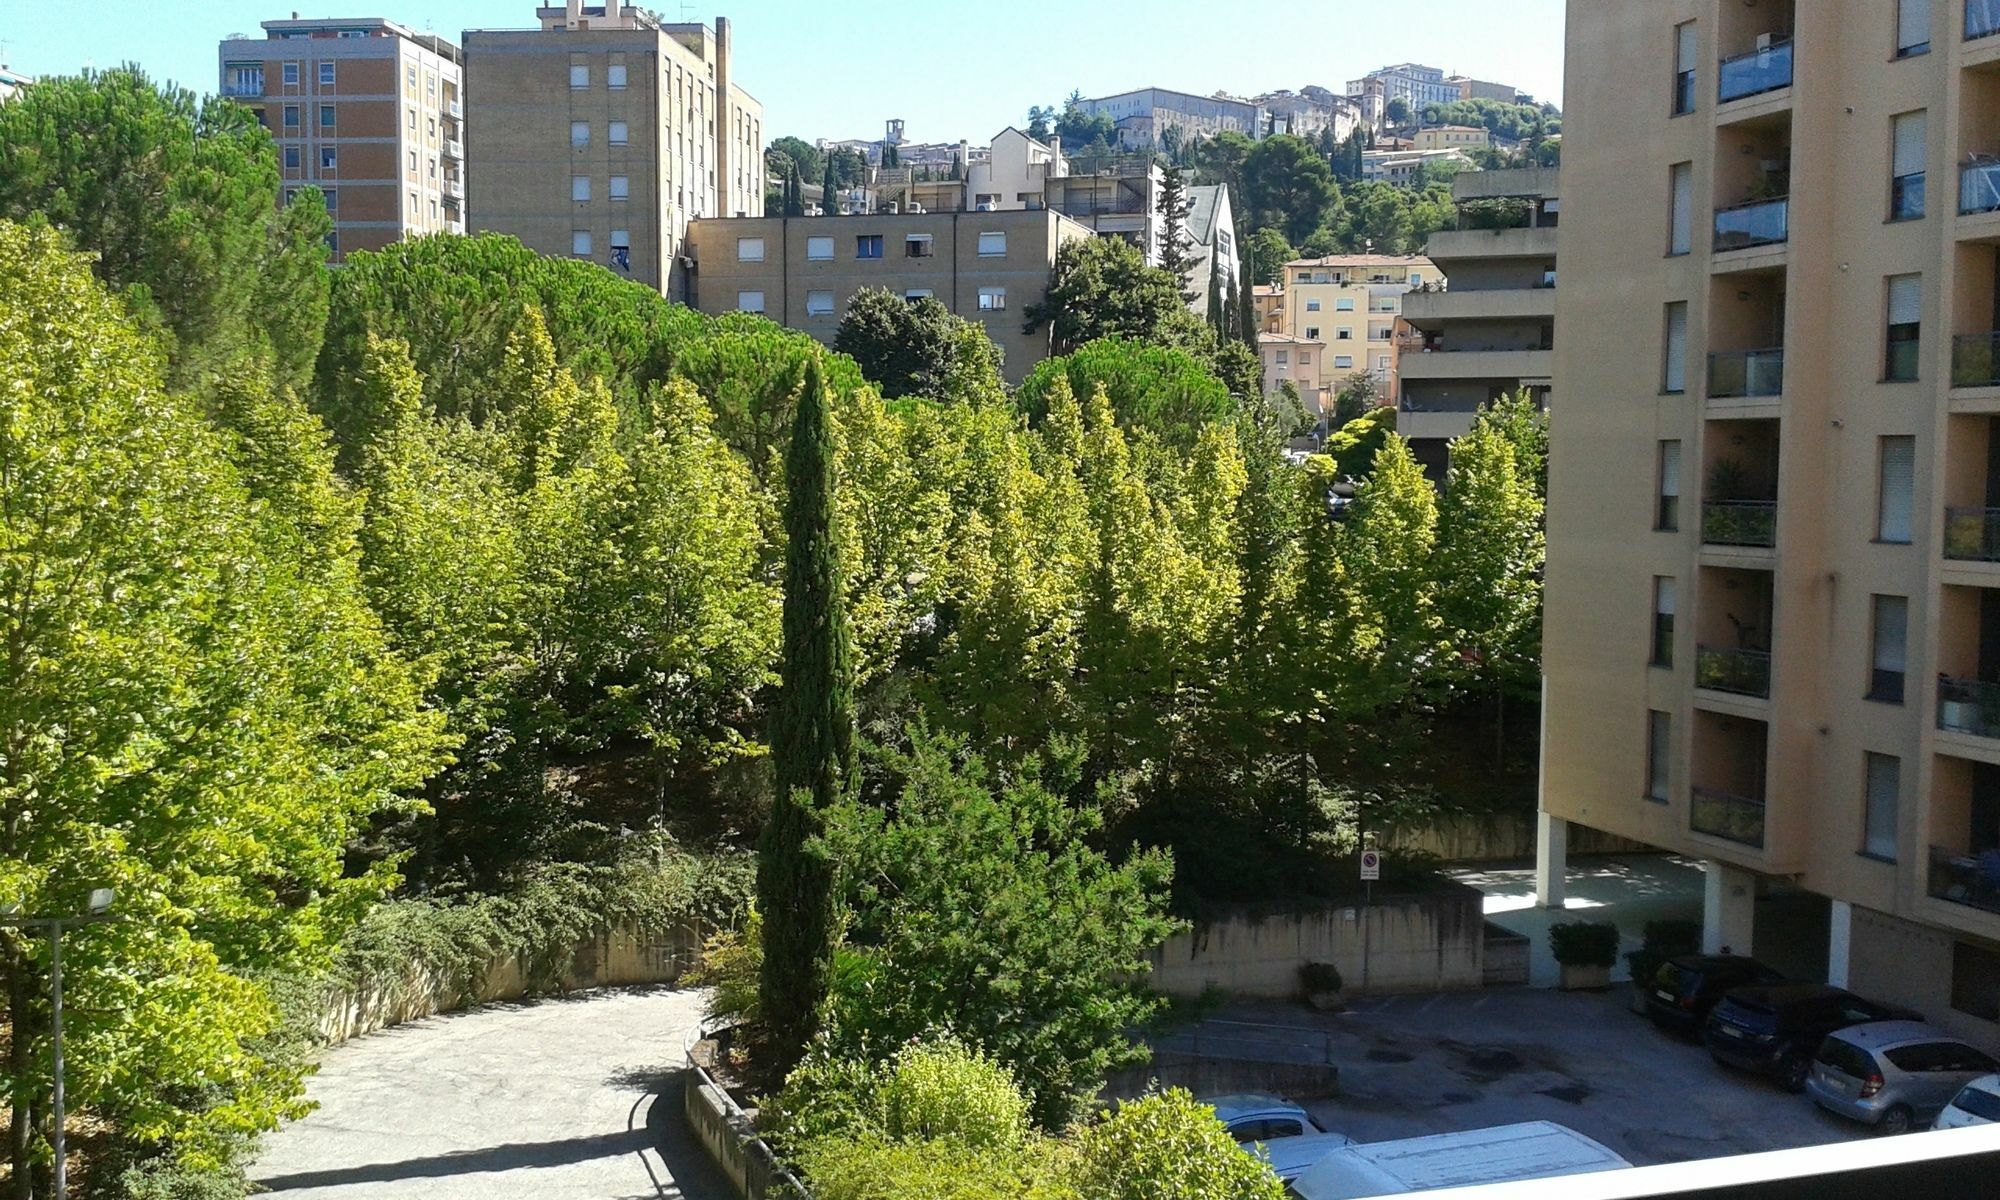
(243, 87)
(1727, 816)
(1758, 223)
(1739, 522)
(1982, 17)
(455, 150)
(1969, 879)
(1975, 360)
(1968, 706)
(1738, 672)
(1979, 187)
(1759, 71)
(1972, 534)
(1735, 374)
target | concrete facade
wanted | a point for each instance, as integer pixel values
(367, 111)
(602, 133)
(1502, 297)
(801, 271)
(1771, 599)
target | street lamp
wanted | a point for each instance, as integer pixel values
(97, 911)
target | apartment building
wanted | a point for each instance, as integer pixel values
(1402, 167)
(1413, 83)
(1453, 137)
(367, 111)
(12, 83)
(1773, 604)
(1144, 116)
(1297, 361)
(1493, 332)
(1354, 304)
(802, 271)
(1309, 113)
(1481, 89)
(604, 131)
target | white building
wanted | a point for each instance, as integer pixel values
(1144, 116)
(1413, 83)
(12, 82)
(1400, 167)
(1309, 113)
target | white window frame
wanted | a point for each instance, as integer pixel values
(992, 299)
(290, 74)
(580, 243)
(579, 188)
(819, 248)
(327, 74)
(750, 249)
(750, 301)
(993, 244)
(819, 302)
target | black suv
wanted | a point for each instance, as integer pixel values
(1775, 1030)
(1686, 988)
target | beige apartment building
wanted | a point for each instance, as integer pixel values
(1773, 608)
(801, 271)
(367, 111)
(1492, 333)
(603, 132)
(1354, 304)
(1453, 137)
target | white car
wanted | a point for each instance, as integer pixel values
(1282, 1131)
(1977, 1103)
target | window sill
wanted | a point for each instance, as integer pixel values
(1893, 219)
(1662, 801)
(1666, 529)
(1874, 857)
(1890, 701)
(1889, 542)
(1673, 391)
(1898, 379)
(1912, 52)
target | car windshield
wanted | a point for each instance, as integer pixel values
(1979, 1102)
(1745, 1014)
(1847, 1058)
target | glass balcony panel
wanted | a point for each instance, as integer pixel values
(1968, 706)
(1972, 534)
(1969, 879)
(1738, 672)
(1758, 223)
(1754, 73)
(1725, 815)
(1975, 360)
(1743, 373)
(1739, 522)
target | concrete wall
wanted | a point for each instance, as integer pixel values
(1396, 944)
(1498, 837)
(1225, 1077)
(1907, 963)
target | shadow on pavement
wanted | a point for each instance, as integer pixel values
(690, 1173)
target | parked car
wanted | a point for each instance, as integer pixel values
(1687, 989)
(1894, 1075)
(1251, 1117)
(1977, 1103)
(1775, 1029)
(1502, 1154)
(1291, 1156)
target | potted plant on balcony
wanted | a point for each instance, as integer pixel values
(1585, 950)
(1321, 983)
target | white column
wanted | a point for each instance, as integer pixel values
(1728, 908)
(1839, 943)
(1551, 860)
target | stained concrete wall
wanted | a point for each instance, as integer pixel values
(1420, 943)
(1496, 837)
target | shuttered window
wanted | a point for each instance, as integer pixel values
(1891, 635)
(1663, 621)
(1885, 785)
(1906, 184)
(1673, 373)
(1669, 515)
(1684, 61)
(1659, 737)
(1913, 27)
(1680, 235)
(1898, 485)
(1906, 310)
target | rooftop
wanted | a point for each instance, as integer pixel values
(1363, 260)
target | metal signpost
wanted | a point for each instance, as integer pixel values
(99, 913)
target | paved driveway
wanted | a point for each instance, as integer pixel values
(576, 1097)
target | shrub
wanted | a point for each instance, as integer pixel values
(946, 1091)
(1316, 977)
(878, 1168)
(732, 962)
(1584, 943)
(1663, 940)
(826, 1098)
(1166, 1145)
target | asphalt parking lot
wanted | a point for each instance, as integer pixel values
(1414, 1065)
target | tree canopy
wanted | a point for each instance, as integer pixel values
(919, 348)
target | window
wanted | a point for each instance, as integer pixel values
(412, 74)
(917, 245)
(749, 249)
(1312, 305)
(579, 187)
(1305, 360)
(413, 164)
(1674, 351)
(1913, 27)
(614, 75)
(1879, 827)
(621, 239)
(916, 294)
(992, 299)
(1663, 621)
(1680, 220)
(868, 245)
(750, 302)
(1343, 304)
(1667, 518)
(326, 116)
(1891, 633)
(993, 245)
(413, 120)
(329, 158)
(579, 75)
(1659, 764)
(1312, 333)
(819, 304)
(1343, 361)
(1906, 310)
(431, 127)
(1284, 358)
(621, 187)
(291, 158)
(1684, 60)
(1906, 171)
(579, 242)
(1343, 335)
(819, 249)
(579, 133)
(621, 133)
(326, 74)
(1896, 488)
(291, 74)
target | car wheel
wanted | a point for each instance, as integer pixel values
(1792, 1073)
(1895, 1121)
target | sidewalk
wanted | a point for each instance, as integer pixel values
(1626, 890)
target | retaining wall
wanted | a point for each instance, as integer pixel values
(1498, 837)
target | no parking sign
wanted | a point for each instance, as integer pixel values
(1371, 866)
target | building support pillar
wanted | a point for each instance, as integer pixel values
(1839, 943)
(1551, 860)
(1728, 908)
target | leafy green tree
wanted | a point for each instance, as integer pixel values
(807, 161)
(1359, 395)
(1270, 251)
(1102, 287)
(1288, 186)
(178, 198)
(918, 348)
(1386, 545)
(812, 740)
(1168, 1144)
(1148, 386)
(1080, 130)
(829, 188)
(1221, 159)
(196, 708)
(1041, 123)
(1397, 111)
(1355, 445)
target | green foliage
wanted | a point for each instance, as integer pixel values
(1287, 186)
(1079, 130)
(806, 158)
(178, 199)
(1176, 243)
(732, 968)
(1513, 122)
(878, 1168)
(1167, 1144)
(1584, 943)
(919, 348)
(1490, 549)
(1318, 977)
(1270, 251)
(1354, 446)
(1101, 288)
(1149, 386)
(944, 1091)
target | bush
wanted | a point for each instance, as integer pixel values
(1663, 940)
(878, 1168)
(945, 1091)
(732, 964)
(1166, 1145)
(1316, 977)
(1584, 943)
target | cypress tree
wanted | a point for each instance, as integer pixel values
(1215, 299)
(812, 741)
(828, 186)
(1246, 315)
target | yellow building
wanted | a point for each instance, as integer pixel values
(1454, 137)
(1353, 303)
(1773, 607)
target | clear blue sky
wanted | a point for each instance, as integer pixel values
(950, 68)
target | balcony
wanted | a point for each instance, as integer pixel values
(454, 150)
(241, 88)
(1727, 816)
(1758, 223)
(1969, 879)
(1739, 523)
(1979, 187)
(1970, 706)
(453, 188)
(1975, 360)
(1518, 303)
(1762, 70)
(1448, 244)
(455, 109)
(1982, 18)
(1972, 534)
(1737, 672)
(1742, 374)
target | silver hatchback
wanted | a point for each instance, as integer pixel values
(1894, 1075)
